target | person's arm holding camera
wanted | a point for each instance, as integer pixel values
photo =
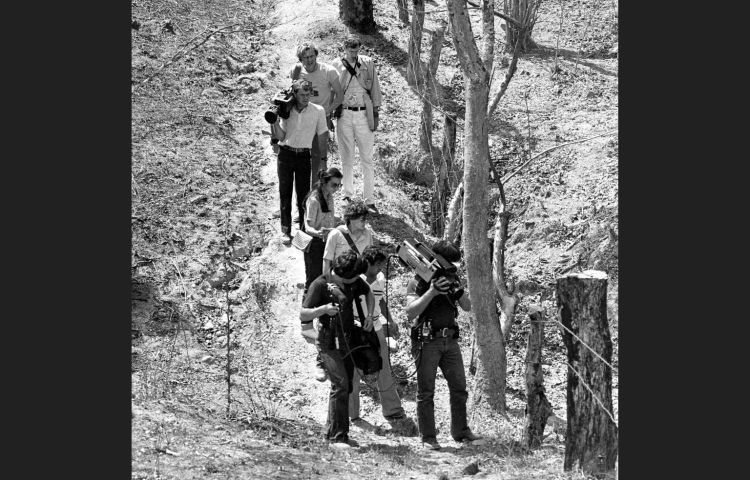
(306, 314)
(415, 304)
(461, 297)
(277, 130)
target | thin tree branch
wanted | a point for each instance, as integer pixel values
(182, 53)
(510, 175)
(505, 17)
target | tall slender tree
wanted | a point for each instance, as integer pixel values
(476, 66)
(357, 14)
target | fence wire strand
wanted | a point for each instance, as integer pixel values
(593, 394)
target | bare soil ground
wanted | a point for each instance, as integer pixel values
(204, 186)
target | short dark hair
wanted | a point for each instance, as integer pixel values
(355, 209)
(346, 265)
(352, 41)
(448, 250)
(301, 83)
(373, 255)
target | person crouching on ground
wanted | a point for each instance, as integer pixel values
(431, 308)
(330, 299)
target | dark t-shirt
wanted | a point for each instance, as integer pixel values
(440, 312)
(322, 292)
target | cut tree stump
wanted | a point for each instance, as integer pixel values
(538, 408)
(591, 436)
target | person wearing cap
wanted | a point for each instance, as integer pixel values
(326, 92)
(330, 299)
(296, 135)
(359, 117)
(432, 309)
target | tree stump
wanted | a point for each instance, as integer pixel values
(538, 408)
(591, 436)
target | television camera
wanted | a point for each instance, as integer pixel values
(281, 106)
(427, 264)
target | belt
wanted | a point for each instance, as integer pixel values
(355, 108)
(294, 149)
(443, 332)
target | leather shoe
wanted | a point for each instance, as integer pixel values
(468, 437)
(431, 444)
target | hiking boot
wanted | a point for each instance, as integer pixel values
(372, 209)
(344, 442)
(320, 374)
(468, 437)
(431, 444)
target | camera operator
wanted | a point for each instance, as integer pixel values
(330, 298)
(296, 134)
(432, 310)
(326, 92)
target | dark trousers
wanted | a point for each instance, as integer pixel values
(340, 372)
(315, 164)
(446, 354)
(314, 261)
(294, 172)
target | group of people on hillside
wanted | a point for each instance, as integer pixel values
(344, 281)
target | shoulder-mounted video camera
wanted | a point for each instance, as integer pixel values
(281, 106)
(427, 264)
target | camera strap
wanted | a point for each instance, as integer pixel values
(353, 73)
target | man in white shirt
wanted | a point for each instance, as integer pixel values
(296, 134)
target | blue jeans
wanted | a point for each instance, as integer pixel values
(294, 171)
(340, 371)
(446, 354)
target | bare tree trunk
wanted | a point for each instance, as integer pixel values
(403, 11)
(525, 11)
(414, 67)
(455, 216)
(357, 14)
(491, 367)
(538, 408)
(431, 95)
(591, 437)
(449, 141)
(508, 298)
